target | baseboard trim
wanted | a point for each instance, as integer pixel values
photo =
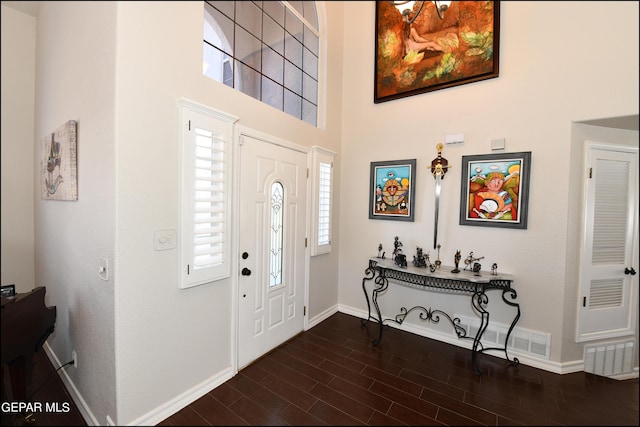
(525, 359)
(181, 401)
(79, 401)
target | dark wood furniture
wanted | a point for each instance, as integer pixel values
(26, 325)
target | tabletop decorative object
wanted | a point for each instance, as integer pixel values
(456, 262)
(439, 166)
(380, 251)
(469, 261)
(398, 257)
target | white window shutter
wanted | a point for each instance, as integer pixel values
(205, 242)
(322, 171)
(325, 177)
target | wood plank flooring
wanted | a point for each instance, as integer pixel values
(48, 389)
(332, 375)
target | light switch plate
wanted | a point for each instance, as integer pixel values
(103, 269)
(164, 239)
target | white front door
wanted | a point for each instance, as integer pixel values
(271, 286)
(608, 287)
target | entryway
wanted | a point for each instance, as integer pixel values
(272, 218)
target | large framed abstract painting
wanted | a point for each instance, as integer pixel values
(392, 190)
(58, 172)
(495, 190)
(436, 50)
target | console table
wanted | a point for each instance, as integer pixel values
(381, 271)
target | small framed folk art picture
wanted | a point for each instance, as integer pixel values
(392, 190)
(495, 190)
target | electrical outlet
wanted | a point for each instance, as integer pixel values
(74, 357)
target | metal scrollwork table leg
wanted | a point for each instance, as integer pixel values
(380, 284)
(479, 301)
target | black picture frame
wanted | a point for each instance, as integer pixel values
(502, 204)
(463, 47)
(392, 189)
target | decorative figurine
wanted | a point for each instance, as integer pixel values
(457, 261)
(419, 259)
(422, 261)
(476, 268)
(470, 260)
(432, 266)
(494, 269)
(438, 263)
(380, 252)
(397, 244)
(398, 257)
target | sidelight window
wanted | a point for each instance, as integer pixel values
(321, 203)
(205, 206)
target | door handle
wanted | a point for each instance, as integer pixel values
(630, 271)
(246, 272)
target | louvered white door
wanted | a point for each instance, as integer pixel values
(608, 291)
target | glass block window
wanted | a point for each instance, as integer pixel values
(267, 50)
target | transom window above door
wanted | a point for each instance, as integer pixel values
(267, 50)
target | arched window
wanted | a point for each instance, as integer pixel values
(267, 50)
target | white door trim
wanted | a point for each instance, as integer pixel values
(240, 132)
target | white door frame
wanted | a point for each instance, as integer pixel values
(241, 131)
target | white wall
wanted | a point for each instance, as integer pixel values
(75, 81)
(171, 340)
(570, 62)
(95, 65)
(18, 86)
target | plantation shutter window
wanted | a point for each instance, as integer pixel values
(322, 167)
(205, 200)
(324, 203)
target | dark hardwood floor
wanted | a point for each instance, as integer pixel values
(52, 403)
(332, 375)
